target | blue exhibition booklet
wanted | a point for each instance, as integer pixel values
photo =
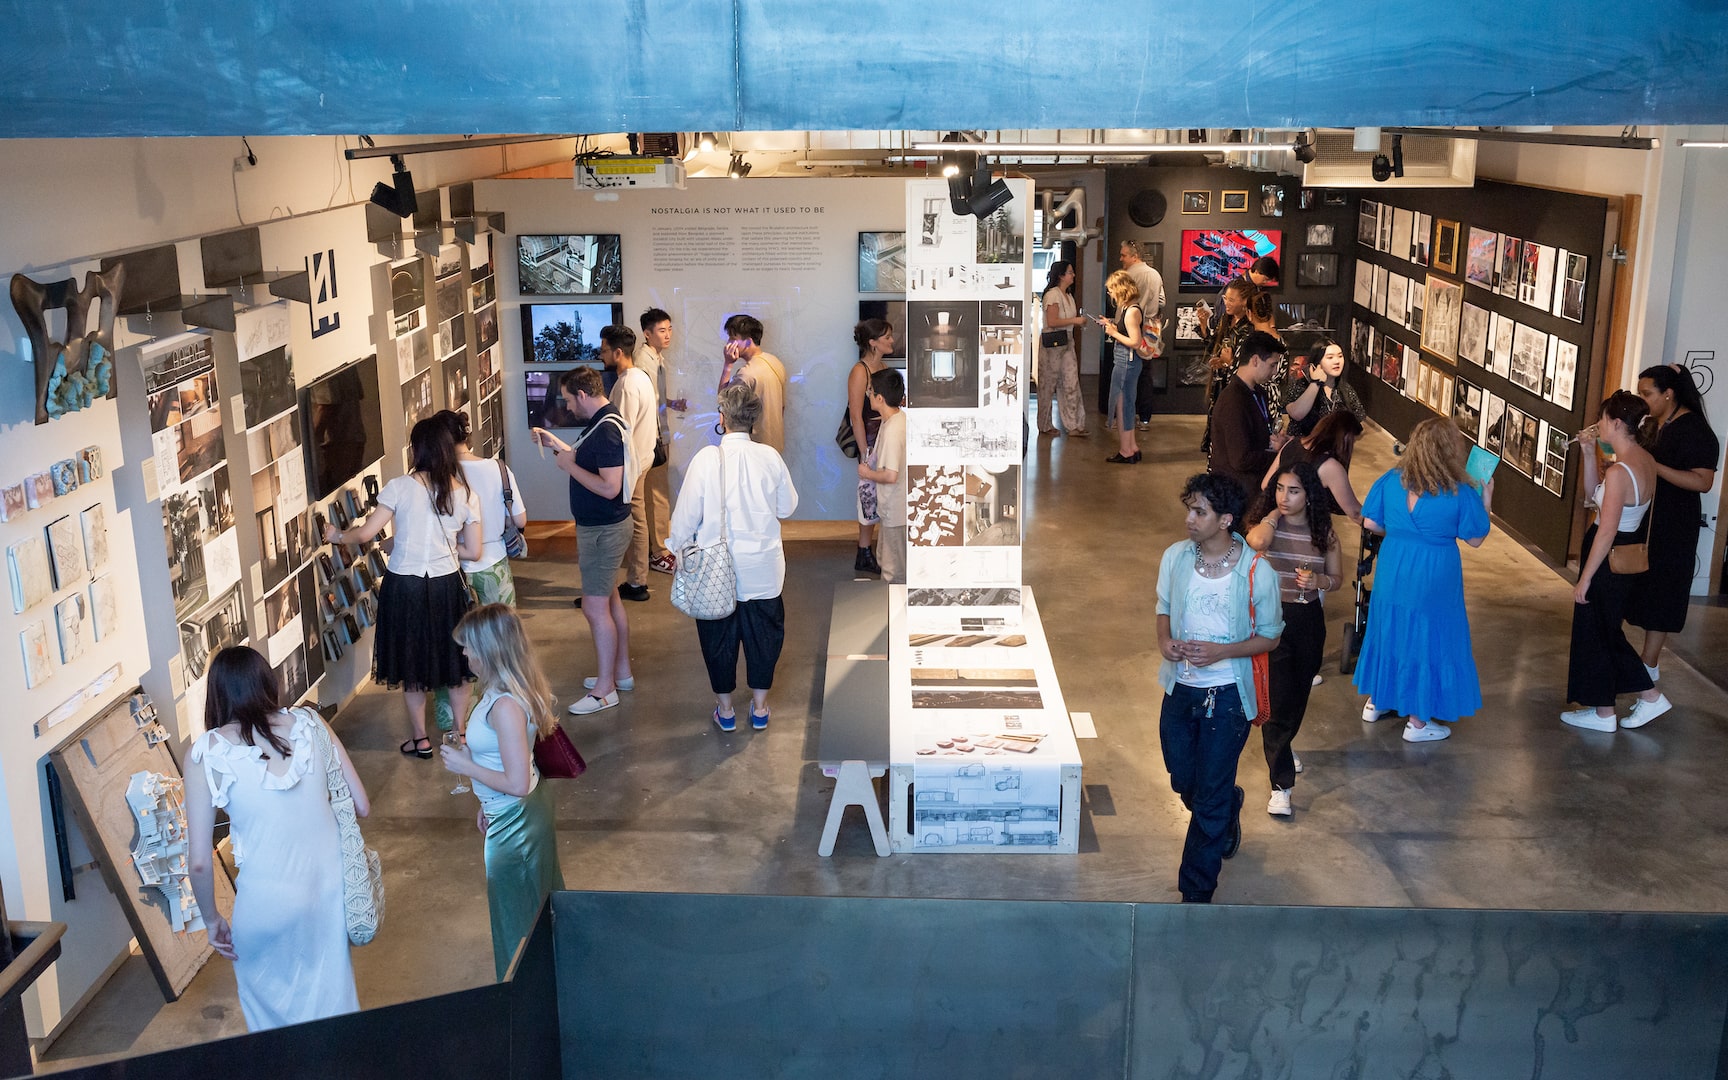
(1481, 465)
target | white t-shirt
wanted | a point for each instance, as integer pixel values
(487, 484)
(1206, 617)
(633, 395)
(425, 541)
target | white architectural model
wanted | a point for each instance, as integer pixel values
(158, 804)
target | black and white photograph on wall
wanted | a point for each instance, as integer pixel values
(942, 353)
(492, 426)
(1311, 317)
(1321, 236)
(281, 631)
(1500, 330)
(407, 286)
(1419, 234)
(1547, 262)
(285, 539)
(195, 519)
(1413, 316)
(212, 629)
(1508, 264)
(1403, 228)
(1467, 408)
(882, 262)
(1493, 413)
(456, 382)
(450, 297)
(1271, 200)
(1563, 371)
(1569, 291)
(1521, 441)
(580, 265)
(1196, 202)
(1316, 269)
(174, 360)
(1556, 445)
(1188, 324)
(1376, 357)
(992, 506)
(311, 627)
(1362, 286)
(1397, 297)
(1233, 202)
(292, 675)
(1360, 349)
(417, 402)
(1473, 335)
(1309, 199)
(1383, 241)
(935, 505)
(267, 385)
(546, 405)
(1442, 308)
(1529, 357)
(1001, 313)
(1002, 235)
(486, 327)
(1382, 280)
(1367, 222)
(894, 313)
(1479, 257)
(449, 261)
(980, 597)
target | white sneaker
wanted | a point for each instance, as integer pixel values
(1279, 804)
(1371, 714)
(588, 703)
(1297, 760)
(1645, 711)
(1426, 733)
(623, 684)
(1318, 679)
(1587, 719)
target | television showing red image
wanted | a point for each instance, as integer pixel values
(1212, 258)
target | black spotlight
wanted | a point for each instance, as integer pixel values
(400, 199)
(1305, 152)
(1398, 156)
(988, 196)
(960, 183)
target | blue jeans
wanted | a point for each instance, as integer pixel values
(1125, 384)
(1202, 731)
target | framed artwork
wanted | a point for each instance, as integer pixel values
(1271, 200)
(1308, 199)
(1316, 269)
(1479, 260)
(1362, 287)
(1367, 222)
(1335, 198)
(1445, 253)
(1188, 324)
(1403, 228)
(1529, 358)
(1569, 288)
(1442, 309)
(1233, 202)
(1196, 202)
(1473, 335)
(1420, 233)
(1321, 236)
(882, 262)
(1467, 408)
(1507, 264)
(1212, 258)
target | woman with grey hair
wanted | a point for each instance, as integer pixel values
(745, 485)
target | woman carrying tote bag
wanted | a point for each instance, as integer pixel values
(735, 494)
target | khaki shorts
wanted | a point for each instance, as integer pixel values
(599, 553)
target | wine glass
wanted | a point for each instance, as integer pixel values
(453, 739)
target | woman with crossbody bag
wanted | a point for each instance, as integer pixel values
(875, 339)
(266, 767)
(1058, 364)
(436, 525)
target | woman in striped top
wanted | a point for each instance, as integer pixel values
(1294, 532)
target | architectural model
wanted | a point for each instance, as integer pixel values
(158, 804)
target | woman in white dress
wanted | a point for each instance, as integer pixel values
(263, 765)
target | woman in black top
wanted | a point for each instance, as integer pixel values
(1686, 453)
(875, 340)
(1322, 390)
(1328, 448)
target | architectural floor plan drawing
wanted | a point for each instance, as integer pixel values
(158, 803)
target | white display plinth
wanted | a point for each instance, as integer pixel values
(982, 757)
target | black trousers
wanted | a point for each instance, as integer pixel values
(760, 627)
(1603, 664)
(1295, 662)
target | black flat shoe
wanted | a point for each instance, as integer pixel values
(1118, 459)
(1233, 843)
(1136, 457)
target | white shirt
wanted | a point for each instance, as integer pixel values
(425, 541)
(1151, 285)
(1206, 617)
(487, 484)
(633, 395)
(757, 494)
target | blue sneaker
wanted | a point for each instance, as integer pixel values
(725, 723)
(759, 721)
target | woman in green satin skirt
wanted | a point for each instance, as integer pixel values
(516, 815)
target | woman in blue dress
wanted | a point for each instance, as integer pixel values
(1416, 659)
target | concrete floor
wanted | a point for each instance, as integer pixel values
(1514, 811)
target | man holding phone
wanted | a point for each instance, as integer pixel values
(763, 372)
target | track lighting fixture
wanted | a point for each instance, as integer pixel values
(1305, 151)
(400, 199)
(739, 168)
(705, 141)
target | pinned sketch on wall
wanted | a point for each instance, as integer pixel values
(1565, 372)
(72, 619)
(1569, 289)
(1556, 446)
(1500, 331)
(1473, 335)
(1493, 414)
(448, 265)
(104, 609)
(1188, 324)
(1397, 297)
(1479, 257)
(1363, 285)
(38, 659)
(1467, 408)
(942, 235)
(27, 567)
(1442, 311)
(196, 519)
(1403, 227)
(67, 549)
(408, 296)
(266, 365)
(1529, 357)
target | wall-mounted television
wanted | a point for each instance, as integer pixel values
(342, 418)
(588, 264)
(1212, 258)
(546, 405)
(566, 333)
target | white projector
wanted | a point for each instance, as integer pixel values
(613, 172)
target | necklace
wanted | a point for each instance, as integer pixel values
(1215, 569)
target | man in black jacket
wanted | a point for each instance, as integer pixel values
(1243, 442)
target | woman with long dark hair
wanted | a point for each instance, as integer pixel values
(1321, 389)
(1328, 448)
(266, 767)
(1603, 664)
(1686, 451)
(437, 524)
(1058, 366)
(875, 340)
(1292, 528)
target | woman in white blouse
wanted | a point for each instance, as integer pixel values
(747, 484)
(437, 522)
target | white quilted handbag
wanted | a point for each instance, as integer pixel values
(362, 874)
(705, 585)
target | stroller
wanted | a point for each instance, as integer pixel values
(1359, 624)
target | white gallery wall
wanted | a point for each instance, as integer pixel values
(784, 250)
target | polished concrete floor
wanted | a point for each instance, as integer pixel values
(1514, 811)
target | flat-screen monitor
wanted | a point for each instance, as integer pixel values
(546, 406)
(1213, 258)
(342, 418)
(566, 334)
(588, 264)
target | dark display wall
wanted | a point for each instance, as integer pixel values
(1521, 371)
(1194, 201)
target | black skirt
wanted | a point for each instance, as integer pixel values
(414, 649)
